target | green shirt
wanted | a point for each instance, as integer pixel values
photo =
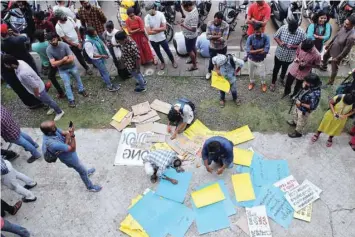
(40, 48)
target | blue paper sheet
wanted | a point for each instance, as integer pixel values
(276, 205)
(242, 169)
(269, 171)
(159, 216)
(171, 191)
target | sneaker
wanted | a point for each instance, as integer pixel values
(29, 186)
(32, 159)
(50, 111)
(140, 90)
(208, 76)
(145, 83)
(295, 134)
(29, 199)
(91, 171)
(72, 104)
(58, 116)
(95, 188)
(264, 87)
(251, 86)
(89, 72)
(113, 88)
(83, 93)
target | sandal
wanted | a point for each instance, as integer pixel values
(329, 143)
(17, 207)
(190, 69)
(175, 65)
(272, 87)
(315, 138)
(155, 62)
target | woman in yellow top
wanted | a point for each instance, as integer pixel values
(334, 120)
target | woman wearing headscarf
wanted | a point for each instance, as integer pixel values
(334, 120)
(320, 30)
(135, 27)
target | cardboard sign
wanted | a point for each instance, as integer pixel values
(152, 114)
(240, 135)
(242, 223)
(196, 129)
(124, 123)
(301, 196)
(182, 144)
(154, 138)
(128, 155)
(160, 106)
(120, 115)
(144, 127)
(141, 108)
(243, 187)
(220, 83)
(258, 222)
(287, 184)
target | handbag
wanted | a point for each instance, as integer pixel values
(49, 156)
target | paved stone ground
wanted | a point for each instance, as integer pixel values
(65, 208)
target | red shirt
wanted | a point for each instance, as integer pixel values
(46, 25)
(259, 13)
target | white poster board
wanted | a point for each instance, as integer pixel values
(258, 222)
(301, 196)
(287, 184)
(128, 155)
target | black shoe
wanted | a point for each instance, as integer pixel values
(30, 186)
(295, 134)
(145, 83)
(140, 90)
(291, 124)
(10, 155)
(32, 159)
(113, 88)
(29, 200)
(72, 104)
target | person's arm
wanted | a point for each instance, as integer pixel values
(141, 24)
(267, 45)
(310, 31)
(78, 33)
(209, 34)
(102, 17)
(31, 80)
(247, 44)
(277, 37)
(224, 37)
(69, 53)
(331, 42)
(57, 63)
(68, 41)
(332, 103)
(173, 181)
(193, 23)
(344, 116)
(250, 19)
(149, 30)
(204, 154)
(228, 159)
(267, 16)
(130, 30)
(70, 140)
(217, 69)
(89, 48)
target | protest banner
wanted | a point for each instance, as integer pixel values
(258, 222)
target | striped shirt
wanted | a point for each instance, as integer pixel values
(213, 30)
(191, 21)
(161, 159)
(10, 130)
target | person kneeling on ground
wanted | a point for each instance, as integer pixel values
(228, 67)
(158, 161)
(219, 150)
(306, 101)
(183, 110)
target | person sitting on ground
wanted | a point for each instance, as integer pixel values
(202, 43)
(10, 209)
(179, 45)
(181, 114)
(96, 50)
(41, 22)
(219, 150)
(228, 67)
(320, 30)
(306, 102)
(341, 107)
(63, 144)
(156, 162)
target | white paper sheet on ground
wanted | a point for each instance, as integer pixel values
(160, 106)
(304, 214)
(141, 108)
(301, 196)
(258, 222)
(242, 223)
(314, 187)
(287, 184)
(126, 154)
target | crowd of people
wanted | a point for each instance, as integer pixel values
(298, 52)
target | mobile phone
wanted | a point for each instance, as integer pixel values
(70, 124)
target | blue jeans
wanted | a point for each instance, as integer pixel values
(26, 142)
(139, 78)
(46, 99)
(100, 64)
(233, 90)
(65, 75)
(15, 229)
(74, 162)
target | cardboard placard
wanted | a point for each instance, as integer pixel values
(154, 138)
(160, 106)
(124, 123)
(141, 108)
(141, 118)
(258, 222)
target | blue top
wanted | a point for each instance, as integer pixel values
(203, 45)
(226, 152)
(326, 35)
(254, 43)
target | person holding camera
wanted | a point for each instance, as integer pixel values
(63, 145)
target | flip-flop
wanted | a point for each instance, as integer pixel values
(155, 62)
(175, 65)
(162, 66)
(315, 138)
(329, 143)
(191, 69)
(17, 207)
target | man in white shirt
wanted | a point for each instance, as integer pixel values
(69, 33)
(33, 83)
(155, 24)
(179, 44)
(61, 6)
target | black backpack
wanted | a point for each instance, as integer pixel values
(183, 102)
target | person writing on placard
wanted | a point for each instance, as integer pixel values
(158, 161)
(181, 114)
(219, 150)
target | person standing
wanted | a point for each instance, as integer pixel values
(11, 132)
(40, 47)
(217, 34)
(26, 10)
(41, 23)
(339, 47)
(33, 83)
(131, 56)
(307, 57)
(69, 33)
(305, 103)
(155, 25)
(7, 226)
(341, 107)
(189, 28)
(63, 144)
(10, 177)
(92, 16)
(96, 50)
(135, 27)
(257, 47)
(61, 56)
(219, 150)
(258, 13)
(202, 43)
(288, 38)
(61, 6)
(8, 208)
(320, 30)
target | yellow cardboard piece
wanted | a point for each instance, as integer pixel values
(130, 223)
(243, 188)
(161, 146)
(208, 195)
(240, 135)
(135, 200)
(220, 83)
(196, 129)
(217, 133)
(121, 113)
(133, 233)
(304, 214)
(242, 156)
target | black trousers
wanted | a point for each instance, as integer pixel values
(6, 207)
(277, 65)
(214, 52)
(79, 56)
(289, 83)
(51, 76)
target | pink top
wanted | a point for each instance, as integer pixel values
(2, 222)
(308, 59)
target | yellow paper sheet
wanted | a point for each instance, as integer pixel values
(217, 133)
(161, 146)
(196, 129)
(133, 233)
(121, 113)
(240, 135)
(208, 195)
(135, 200)
(220, 83)
(242, 156)
(304, 214)
(243, 188)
